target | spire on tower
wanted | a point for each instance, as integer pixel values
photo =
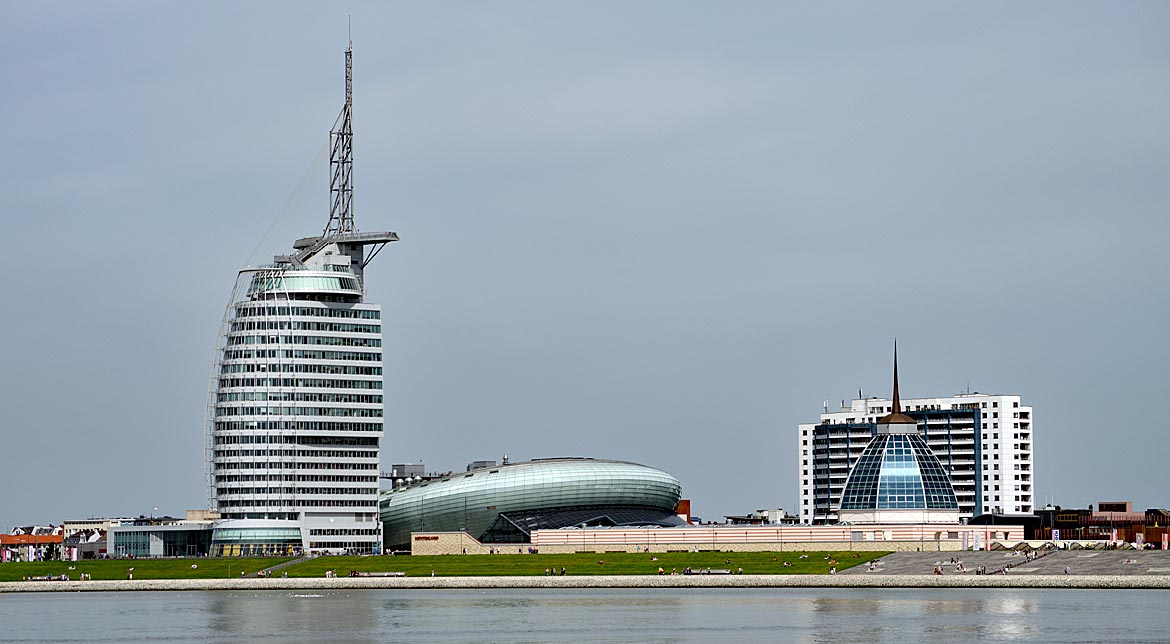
(896, 417)
(341, 161)
(340, 231)
(897, 402)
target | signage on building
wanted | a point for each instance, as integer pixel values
(1056, 534)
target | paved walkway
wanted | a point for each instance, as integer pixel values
(1079, 562)
(1013, 580)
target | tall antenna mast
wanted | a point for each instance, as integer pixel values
(341, 161)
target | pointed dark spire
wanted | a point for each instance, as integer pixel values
(897, 401)
(896, 417)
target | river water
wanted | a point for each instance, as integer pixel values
(902, 616)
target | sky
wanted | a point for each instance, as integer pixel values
(661, 232)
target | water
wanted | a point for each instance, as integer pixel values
(901, 616)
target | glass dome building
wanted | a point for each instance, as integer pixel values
(505, 503)
(898, 479)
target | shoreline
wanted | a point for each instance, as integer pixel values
(1150, 582)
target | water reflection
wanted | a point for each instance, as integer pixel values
(313, 616)
(820, 616)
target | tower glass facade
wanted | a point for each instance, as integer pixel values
(295, 408)
(298, 413)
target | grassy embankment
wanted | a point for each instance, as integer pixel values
(753, 563)
(206, 568)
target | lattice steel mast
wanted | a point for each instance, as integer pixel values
(341, 161)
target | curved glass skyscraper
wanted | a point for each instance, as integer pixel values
(295, 413)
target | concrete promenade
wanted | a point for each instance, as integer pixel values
(1161, 582)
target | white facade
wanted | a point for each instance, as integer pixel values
(295, 409)
(297, 420)
(983, 441)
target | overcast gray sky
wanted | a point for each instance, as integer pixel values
(658, 231)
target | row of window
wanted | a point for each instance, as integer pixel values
(331, 441)
(299, 325)
(298, 396)
(294, 282)
(336, 532)
(298, 503)
(300, 383)
(298, 354)
(300, 425)
(250, 309)
(237, 453)
(351, 546)
(278, 516)
(222, 491)
(299, 411)
(241, 453)
(300, 478)
(297, 466)
(328, 340)
(301, 368)
(1026, 477)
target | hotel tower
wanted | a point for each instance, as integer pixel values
(295, 410)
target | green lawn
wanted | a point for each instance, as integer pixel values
(759, 563)
(616, 563)
(206, 568)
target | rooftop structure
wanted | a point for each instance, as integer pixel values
(897, 478)
(295, 407)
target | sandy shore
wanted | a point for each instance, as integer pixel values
(625, 581)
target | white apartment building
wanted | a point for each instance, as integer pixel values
(983, 441)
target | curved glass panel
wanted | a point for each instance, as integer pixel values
(898, 471)
(293, 282)
(256, 535)
(473, 501)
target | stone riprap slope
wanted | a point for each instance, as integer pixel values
(1143, 563)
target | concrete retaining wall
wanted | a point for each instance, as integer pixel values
(454, 543)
